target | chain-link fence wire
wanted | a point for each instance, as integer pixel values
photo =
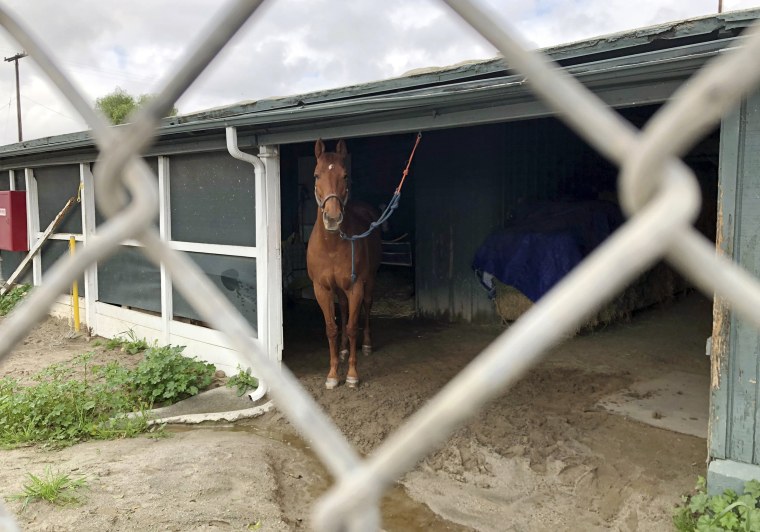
(657, 191)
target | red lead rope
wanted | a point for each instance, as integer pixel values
(409, 163)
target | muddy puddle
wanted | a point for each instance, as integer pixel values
(399, 511)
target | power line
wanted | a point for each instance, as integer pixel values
(109, 73)
(53, 110)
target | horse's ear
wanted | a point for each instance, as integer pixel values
(319, 148)
(341, 149)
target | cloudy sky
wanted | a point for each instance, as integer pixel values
(291, 47)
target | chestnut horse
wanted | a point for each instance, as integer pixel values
(336, 269)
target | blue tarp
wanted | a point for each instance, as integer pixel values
(543, 243)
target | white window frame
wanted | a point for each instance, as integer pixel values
(109, 320)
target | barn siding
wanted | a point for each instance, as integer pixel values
(458, 199)
(734, 415)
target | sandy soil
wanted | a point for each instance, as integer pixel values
(543, 456)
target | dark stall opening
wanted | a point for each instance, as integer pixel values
(468, 184)
(558, 201)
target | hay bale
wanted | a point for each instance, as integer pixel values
(510, 302)
(655, 286)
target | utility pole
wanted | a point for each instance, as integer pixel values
(15, 59)
(720, 6)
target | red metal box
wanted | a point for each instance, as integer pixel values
(13, 235)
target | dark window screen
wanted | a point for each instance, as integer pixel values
(20, 180)
(129, 278)
(234, 276)
(52, 250)
(55, 185)
(5, 183)
(212, 199)
(153, 165)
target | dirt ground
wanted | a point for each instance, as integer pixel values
(544, 456)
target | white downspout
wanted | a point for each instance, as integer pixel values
(260, 191)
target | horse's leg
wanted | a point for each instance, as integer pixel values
(343, 302)
(325, 299)
(355, 297)
(367, 306)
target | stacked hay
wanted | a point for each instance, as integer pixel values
(657, 285)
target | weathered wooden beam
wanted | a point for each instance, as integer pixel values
(37, 246)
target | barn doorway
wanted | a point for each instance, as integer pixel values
(375, 167)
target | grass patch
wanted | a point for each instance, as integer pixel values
(700, 512)
(78, 401)
(55, 488)
(9, 301)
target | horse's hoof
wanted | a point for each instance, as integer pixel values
(343, 354)
(331, 383)
(367, 349)
(352, 382)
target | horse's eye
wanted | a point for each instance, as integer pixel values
(316, 176)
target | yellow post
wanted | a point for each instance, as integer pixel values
(74, 287)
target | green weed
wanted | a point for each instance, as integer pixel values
(726, 512)
(165, 375)
(62, 408)
(131, 344)
(243, 381)
(78, 401)
(56, 488)
(159, 432)
(9, 301)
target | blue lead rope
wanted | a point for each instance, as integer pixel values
(386, 213)
(392, 205)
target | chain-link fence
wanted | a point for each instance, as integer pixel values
(658, 192)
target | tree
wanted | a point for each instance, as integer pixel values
(118, 105)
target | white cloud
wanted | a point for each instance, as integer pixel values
(295, 46)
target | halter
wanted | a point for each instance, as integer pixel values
(321, 204)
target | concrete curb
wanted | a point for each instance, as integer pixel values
(234, 415)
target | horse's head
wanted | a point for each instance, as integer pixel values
(331, 185)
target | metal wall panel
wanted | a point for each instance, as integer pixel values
(458, 198)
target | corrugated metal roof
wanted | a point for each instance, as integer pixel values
(470, 83)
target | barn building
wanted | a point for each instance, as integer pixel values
(490, 151)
